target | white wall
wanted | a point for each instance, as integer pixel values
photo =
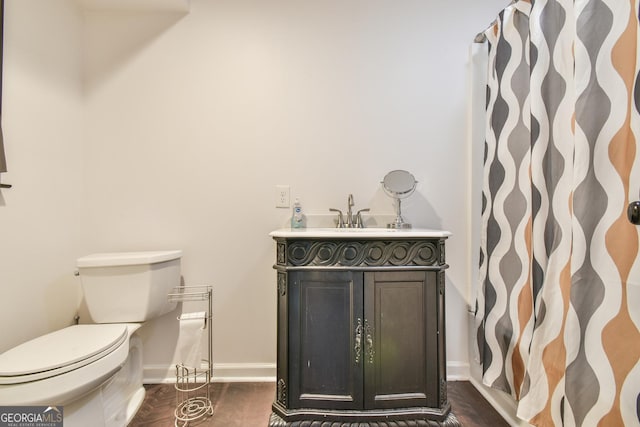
(41, 216)
(192, 119)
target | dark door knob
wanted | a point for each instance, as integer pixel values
(633, 212)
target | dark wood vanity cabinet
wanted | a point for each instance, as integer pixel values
(361, 333)
(325, 362)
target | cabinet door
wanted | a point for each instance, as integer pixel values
(400, 339)
(325, 318)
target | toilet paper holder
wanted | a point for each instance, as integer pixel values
(193, 293)
(192, 385)
(183, 317)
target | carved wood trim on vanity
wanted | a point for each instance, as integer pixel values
(449, 421)
(282, 283)
(361, 253)
(281, 392)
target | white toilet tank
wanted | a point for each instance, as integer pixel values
(129, 286)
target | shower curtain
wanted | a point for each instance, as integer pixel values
(558, 304)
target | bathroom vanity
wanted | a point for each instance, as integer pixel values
(361, 337)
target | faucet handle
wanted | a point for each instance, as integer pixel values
(359, 223)
(340, 223)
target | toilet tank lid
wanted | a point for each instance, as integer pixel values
(113, 259)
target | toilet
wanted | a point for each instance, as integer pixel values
(95, 370)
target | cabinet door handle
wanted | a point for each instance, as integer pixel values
(370, 350)
(357, 349)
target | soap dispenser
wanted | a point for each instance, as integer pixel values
(297, 217)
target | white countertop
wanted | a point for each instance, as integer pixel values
(351, 233)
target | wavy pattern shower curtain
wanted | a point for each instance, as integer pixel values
(558, 308)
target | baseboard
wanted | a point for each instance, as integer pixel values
(244, 372)
(501, 402)
(222, 372)
(261, 372)
(457, 371)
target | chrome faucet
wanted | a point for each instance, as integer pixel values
(353, 221)
(349, 214)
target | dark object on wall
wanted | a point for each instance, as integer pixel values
(633, 212)
(3, 160)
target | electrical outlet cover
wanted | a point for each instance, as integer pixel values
(282, 196)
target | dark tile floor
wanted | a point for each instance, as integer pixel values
(249, 405)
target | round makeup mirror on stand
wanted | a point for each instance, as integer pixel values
(399, 184)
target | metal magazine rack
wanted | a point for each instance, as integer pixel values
(193, 399)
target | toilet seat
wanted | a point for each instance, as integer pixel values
(59, 352)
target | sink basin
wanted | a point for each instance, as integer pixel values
(357, 230)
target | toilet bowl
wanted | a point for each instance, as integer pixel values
(95, 370)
